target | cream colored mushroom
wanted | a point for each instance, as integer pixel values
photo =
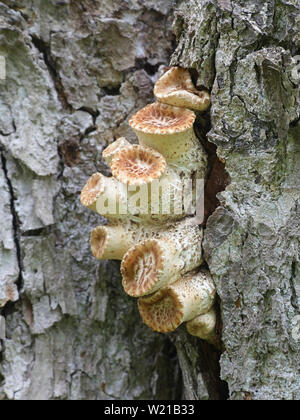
(182, 301)
(105, 196)
(204, 327)
(163, 198)
(113, 148)
(176, 88)
(137, 165)
(169, 130)
(111, 242)
(155, 263)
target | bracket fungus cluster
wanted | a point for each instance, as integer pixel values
(150, 228)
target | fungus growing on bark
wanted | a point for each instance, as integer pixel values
(113, 148)
(182, 301)
(155, 263)
(92, 190)
(176, 88)
(158, 252)
(136, 165)
(204, 327)
(169, 130)
(100, 190)
(110, 242)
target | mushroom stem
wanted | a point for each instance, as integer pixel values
(204, 327)
(113, 148)
(113, 241)
(168, 308)
(110, 242)
(155, 263)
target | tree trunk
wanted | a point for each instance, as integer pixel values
(75, 72)
(243, 51)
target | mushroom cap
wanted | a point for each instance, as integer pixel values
(92, 189)
(136, 165)
(158, 118)
(98, 241)
(141, 267)
(175, 87)
(162, 311)
(114, 147)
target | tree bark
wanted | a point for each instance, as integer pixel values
(75, 72)
(243, 51)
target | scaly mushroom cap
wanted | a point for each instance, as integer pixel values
(162, 311)
(176, 88)
(114, 147)
(160, 118)
(136, 165)
(141, 266)
(181, 301)
(92, 189)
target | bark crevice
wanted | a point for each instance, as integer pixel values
(15, 222)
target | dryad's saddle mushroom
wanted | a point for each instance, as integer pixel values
(176, 88)
(149, 228)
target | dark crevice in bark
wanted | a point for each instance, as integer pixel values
(16, 223)
(69, 151)
(294, 297)
(198, 357)
(111, 91)
(33, 232)
(217, 178)
(143, 64)
(44, 49)
(94, 113)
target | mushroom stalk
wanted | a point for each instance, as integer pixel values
(114, 240)
(182, 301)
(155, 263)
(110, 242)
(204, 327)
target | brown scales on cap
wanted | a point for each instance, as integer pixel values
(114, 147)
(160, 118)
(140, 267)
(162, 311)
(92, 189)
(136, 165)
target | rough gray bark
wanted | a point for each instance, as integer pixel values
(76, 71)
(243, 51)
